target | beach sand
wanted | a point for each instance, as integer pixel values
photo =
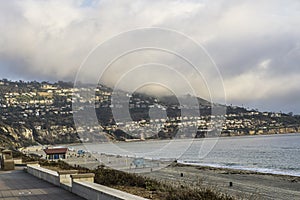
(245, 184)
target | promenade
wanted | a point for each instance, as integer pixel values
(18, 184)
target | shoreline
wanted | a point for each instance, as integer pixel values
(235, 171)
(245, 184)
(113, 157)
(100, 158)
(239, 183)
(262, 171)
(158, 140)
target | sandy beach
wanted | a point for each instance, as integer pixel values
(245, 184)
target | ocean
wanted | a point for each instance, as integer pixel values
(276, 154)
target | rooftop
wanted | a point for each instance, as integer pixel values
(56, 150)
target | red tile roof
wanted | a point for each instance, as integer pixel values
(56, 151)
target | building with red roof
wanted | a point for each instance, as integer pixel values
(56, 153)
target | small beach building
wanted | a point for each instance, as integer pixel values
(56, 153)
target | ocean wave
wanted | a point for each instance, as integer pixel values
(238, 167)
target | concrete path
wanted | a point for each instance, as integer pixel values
(18, 184)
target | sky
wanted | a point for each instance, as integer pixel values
(255, 46)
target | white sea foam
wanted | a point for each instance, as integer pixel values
(238, 167)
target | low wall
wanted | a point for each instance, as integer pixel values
(80, 184)
(93, 191)
(44, 174)
(18, 161)
(8, 165)
(65, 176)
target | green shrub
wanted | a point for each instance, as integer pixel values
(111, 177)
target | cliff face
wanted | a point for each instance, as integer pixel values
(15, 135)
(18, 135)
(55, 135)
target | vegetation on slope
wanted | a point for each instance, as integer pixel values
(143, 186)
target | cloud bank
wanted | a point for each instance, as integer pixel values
(256, 46)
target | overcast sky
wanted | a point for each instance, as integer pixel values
(255, 45)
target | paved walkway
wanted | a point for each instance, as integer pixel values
(18, 184)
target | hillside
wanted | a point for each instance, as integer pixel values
(41, 112)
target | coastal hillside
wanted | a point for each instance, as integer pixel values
(41, 113)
